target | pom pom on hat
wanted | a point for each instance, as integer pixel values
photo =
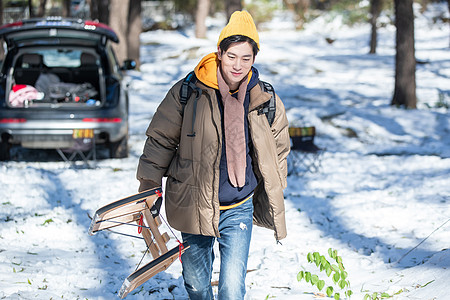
(241, 23)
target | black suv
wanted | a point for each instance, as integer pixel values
(58, 76)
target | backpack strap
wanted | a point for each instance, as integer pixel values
(187, 87)
(269, 108)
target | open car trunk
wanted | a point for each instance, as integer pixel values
(56, 78)
(60, 77)
(56, 63)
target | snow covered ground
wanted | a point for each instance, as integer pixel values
(381, 197)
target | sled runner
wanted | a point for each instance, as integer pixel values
(143, 209)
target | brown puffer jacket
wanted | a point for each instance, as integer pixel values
(191, 164)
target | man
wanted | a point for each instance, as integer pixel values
(225, 164)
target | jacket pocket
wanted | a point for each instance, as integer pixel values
(181, 170)
(181, 206)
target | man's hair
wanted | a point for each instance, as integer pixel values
(227, 42)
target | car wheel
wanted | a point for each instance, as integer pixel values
(119, 149)
(5, 153)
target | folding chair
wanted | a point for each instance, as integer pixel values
(305, 155)
(83, 147)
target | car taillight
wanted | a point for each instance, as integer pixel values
(103, 120)
(97, 24)
(12, 120)
(15, 24)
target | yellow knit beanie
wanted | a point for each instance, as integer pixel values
(241, 23)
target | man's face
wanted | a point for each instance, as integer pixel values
(236, 62)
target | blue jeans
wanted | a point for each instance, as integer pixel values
(235, 227)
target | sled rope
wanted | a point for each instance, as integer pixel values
(125, 234)
(142, 258)
(123, 223)
(180, 244)
(422, 241)
(140, 226)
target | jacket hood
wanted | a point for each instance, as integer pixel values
(206, 72)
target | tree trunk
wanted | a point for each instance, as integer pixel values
(66, 8)
(100, 10)
(200, 18)
(375, 10)
(134, 30)
(300, 9)
(104, 10)
(93, 7)
(30, 9)
(41, 9)
(2, 50)
(231, 6)
(405, 62)
(118, 20)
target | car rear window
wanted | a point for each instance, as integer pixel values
(61, 57)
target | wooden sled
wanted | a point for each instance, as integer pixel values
(127, 211)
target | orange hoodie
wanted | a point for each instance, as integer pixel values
(206, 70)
